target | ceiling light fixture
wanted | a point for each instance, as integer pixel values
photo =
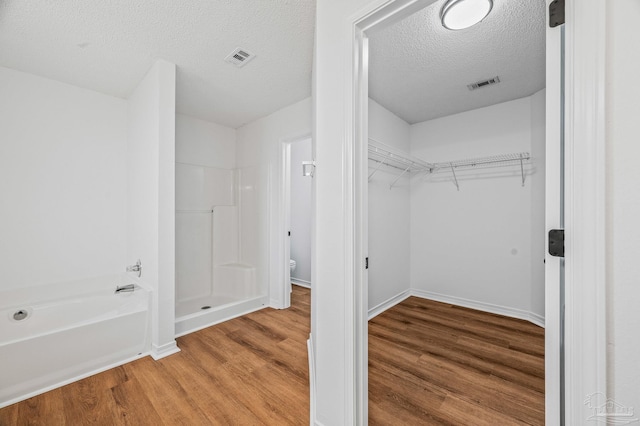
(460, 14)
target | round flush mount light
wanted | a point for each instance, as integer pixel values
(460, 14)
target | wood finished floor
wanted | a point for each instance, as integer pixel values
(429, 363)
(432, 363)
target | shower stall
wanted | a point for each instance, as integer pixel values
(220, 228)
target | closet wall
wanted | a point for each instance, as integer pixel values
(389, 256)
(483, 245)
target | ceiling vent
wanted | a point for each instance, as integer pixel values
(239, 57)
(483, 83)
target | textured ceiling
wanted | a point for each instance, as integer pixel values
(108, 46)
(420, 70)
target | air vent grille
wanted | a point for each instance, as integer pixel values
(239, 57)
(483, 83)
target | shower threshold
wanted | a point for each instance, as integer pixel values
(191, 317)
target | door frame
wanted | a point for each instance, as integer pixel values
(585, 320)
(283, 278)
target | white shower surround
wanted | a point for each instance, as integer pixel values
(221, 228)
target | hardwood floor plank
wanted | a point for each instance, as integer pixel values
(211, 390)
(504, 356)
(488, 369)
(164, 391)
(462, 412)
(132, 406)
(89, 401)
(490, 391)
(45, 409)
(404, 399)
(9, 415)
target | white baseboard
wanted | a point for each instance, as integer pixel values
(162, 351)
(301, 283)
(480, 306)
(275, 304)
(458, 301)
(389, 303)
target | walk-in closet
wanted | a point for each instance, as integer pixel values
(456, 201)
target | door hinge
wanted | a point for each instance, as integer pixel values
(556, 242)
(366, 263)
(556, 13)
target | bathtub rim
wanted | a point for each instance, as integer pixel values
(141, 305)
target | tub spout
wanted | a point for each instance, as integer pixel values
(125, 288)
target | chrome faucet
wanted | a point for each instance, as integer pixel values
(125, 288)
(135, 268)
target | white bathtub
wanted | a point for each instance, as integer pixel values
(72, 330)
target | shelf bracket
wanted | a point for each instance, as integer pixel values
(380, 164)
(455, 178)
(398, 178)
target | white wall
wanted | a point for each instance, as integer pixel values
(623, 203)
(205, 163)
(476, 243)
(537, 182)
(301, 187)
(151, 196)
(205, 143)
(63, 185)
(259, 145)
(389, 228)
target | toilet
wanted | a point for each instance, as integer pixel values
(292, 265)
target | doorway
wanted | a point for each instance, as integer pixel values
(297, 187)
(379, 20)
(341, 146)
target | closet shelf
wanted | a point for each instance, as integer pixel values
(383, 155)
(517, 159)
(481, 162)
(194, 211)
